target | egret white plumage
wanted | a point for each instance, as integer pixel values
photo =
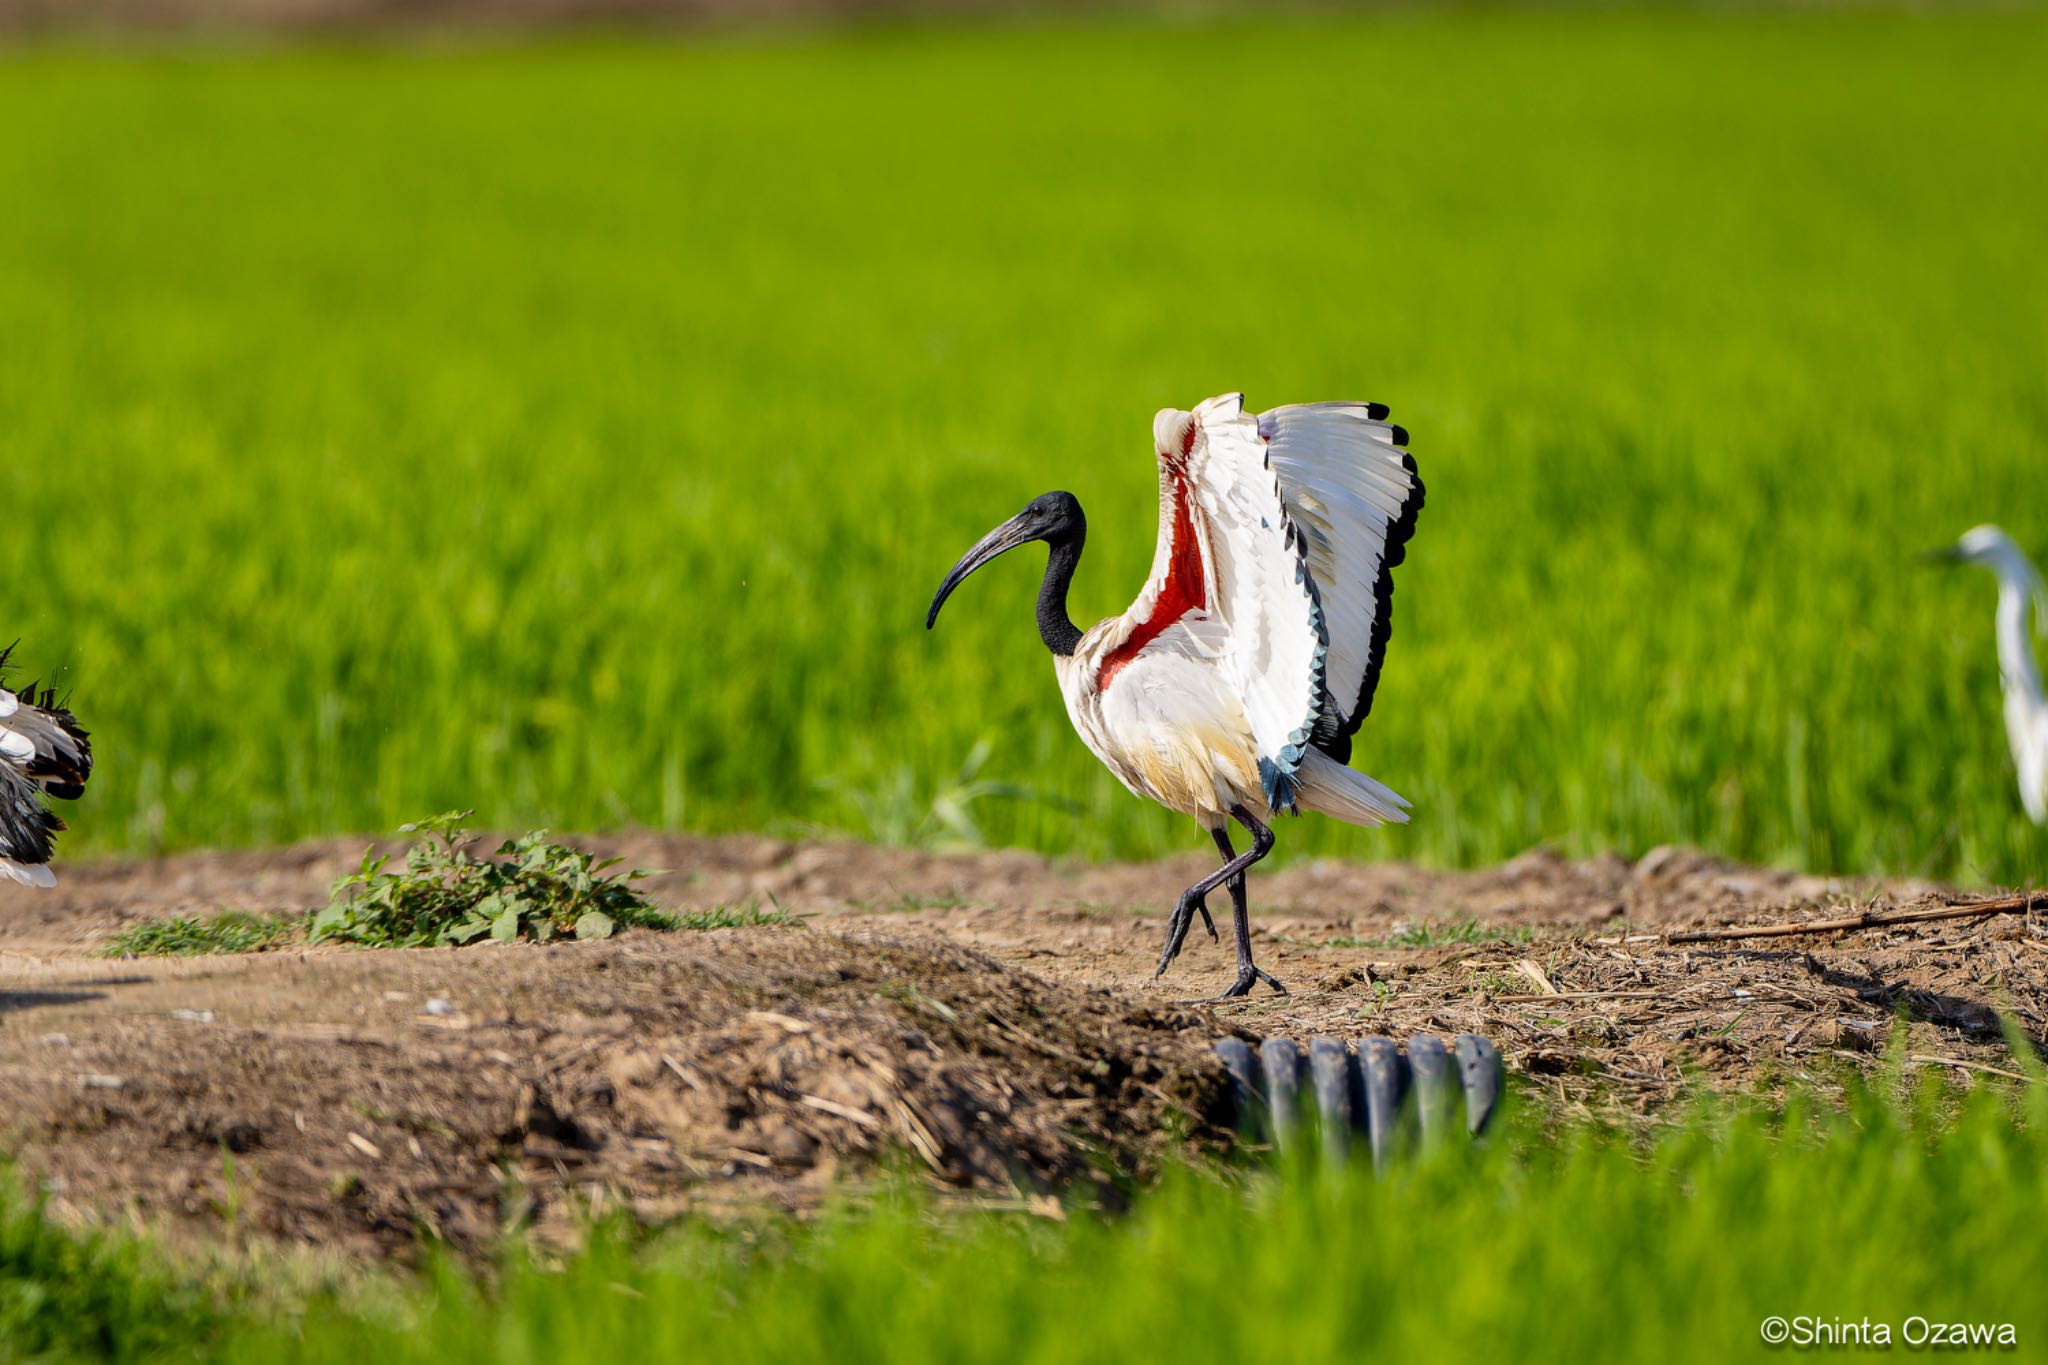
(42, 750)
(1232, 687)
(2026, 707)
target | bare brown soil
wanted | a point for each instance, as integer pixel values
(988, 1019)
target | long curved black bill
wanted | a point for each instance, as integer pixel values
(1942, 554)
(1018, 530)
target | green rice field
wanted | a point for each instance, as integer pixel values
(577, 431)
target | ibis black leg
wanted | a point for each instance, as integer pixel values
(1222, 836)
(1249, 973)
(1195, 898)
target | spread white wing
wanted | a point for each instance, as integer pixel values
(1303, 511)
(1351, 488)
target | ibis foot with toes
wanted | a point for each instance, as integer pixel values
(1247, 977)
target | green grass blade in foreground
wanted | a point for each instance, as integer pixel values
(67, 1294)
(1583, 1250)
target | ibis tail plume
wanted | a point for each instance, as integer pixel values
(2020, 591)
(1233, 686)
(43, 752)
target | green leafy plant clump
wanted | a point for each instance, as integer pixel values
(227, 931)
(533, 889)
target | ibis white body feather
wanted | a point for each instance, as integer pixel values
(1170, 731)
(1232, 687)
(1167, 728)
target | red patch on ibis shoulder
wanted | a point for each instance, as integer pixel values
(1185, 589)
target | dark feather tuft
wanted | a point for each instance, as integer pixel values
(26, 825)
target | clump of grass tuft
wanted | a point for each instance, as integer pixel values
(228, 931)
(534, 889)
(747, 916)
(1453, 933)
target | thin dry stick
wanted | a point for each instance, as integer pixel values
(687, 1076)
(819, 1102)
(1869, 919)
(1556, 995)
(920, 1136)
(1926, 1060)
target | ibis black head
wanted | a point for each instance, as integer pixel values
(1054, 518)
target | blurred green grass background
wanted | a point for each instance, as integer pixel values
(577, 431)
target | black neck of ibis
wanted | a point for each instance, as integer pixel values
(1056, 519)
(1055, 627)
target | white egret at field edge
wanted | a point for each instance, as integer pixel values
(42, 750)
(2026, 706)
(1233, 685)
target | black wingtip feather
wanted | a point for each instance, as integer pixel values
(1398, 535)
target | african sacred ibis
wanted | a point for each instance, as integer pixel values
(2026, 707)
(41, 748)
(1233, 685)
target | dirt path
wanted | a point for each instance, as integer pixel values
(988, 1018)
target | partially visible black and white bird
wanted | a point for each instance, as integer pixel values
(42, 752)
(1232, 687)
(2020, 593)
